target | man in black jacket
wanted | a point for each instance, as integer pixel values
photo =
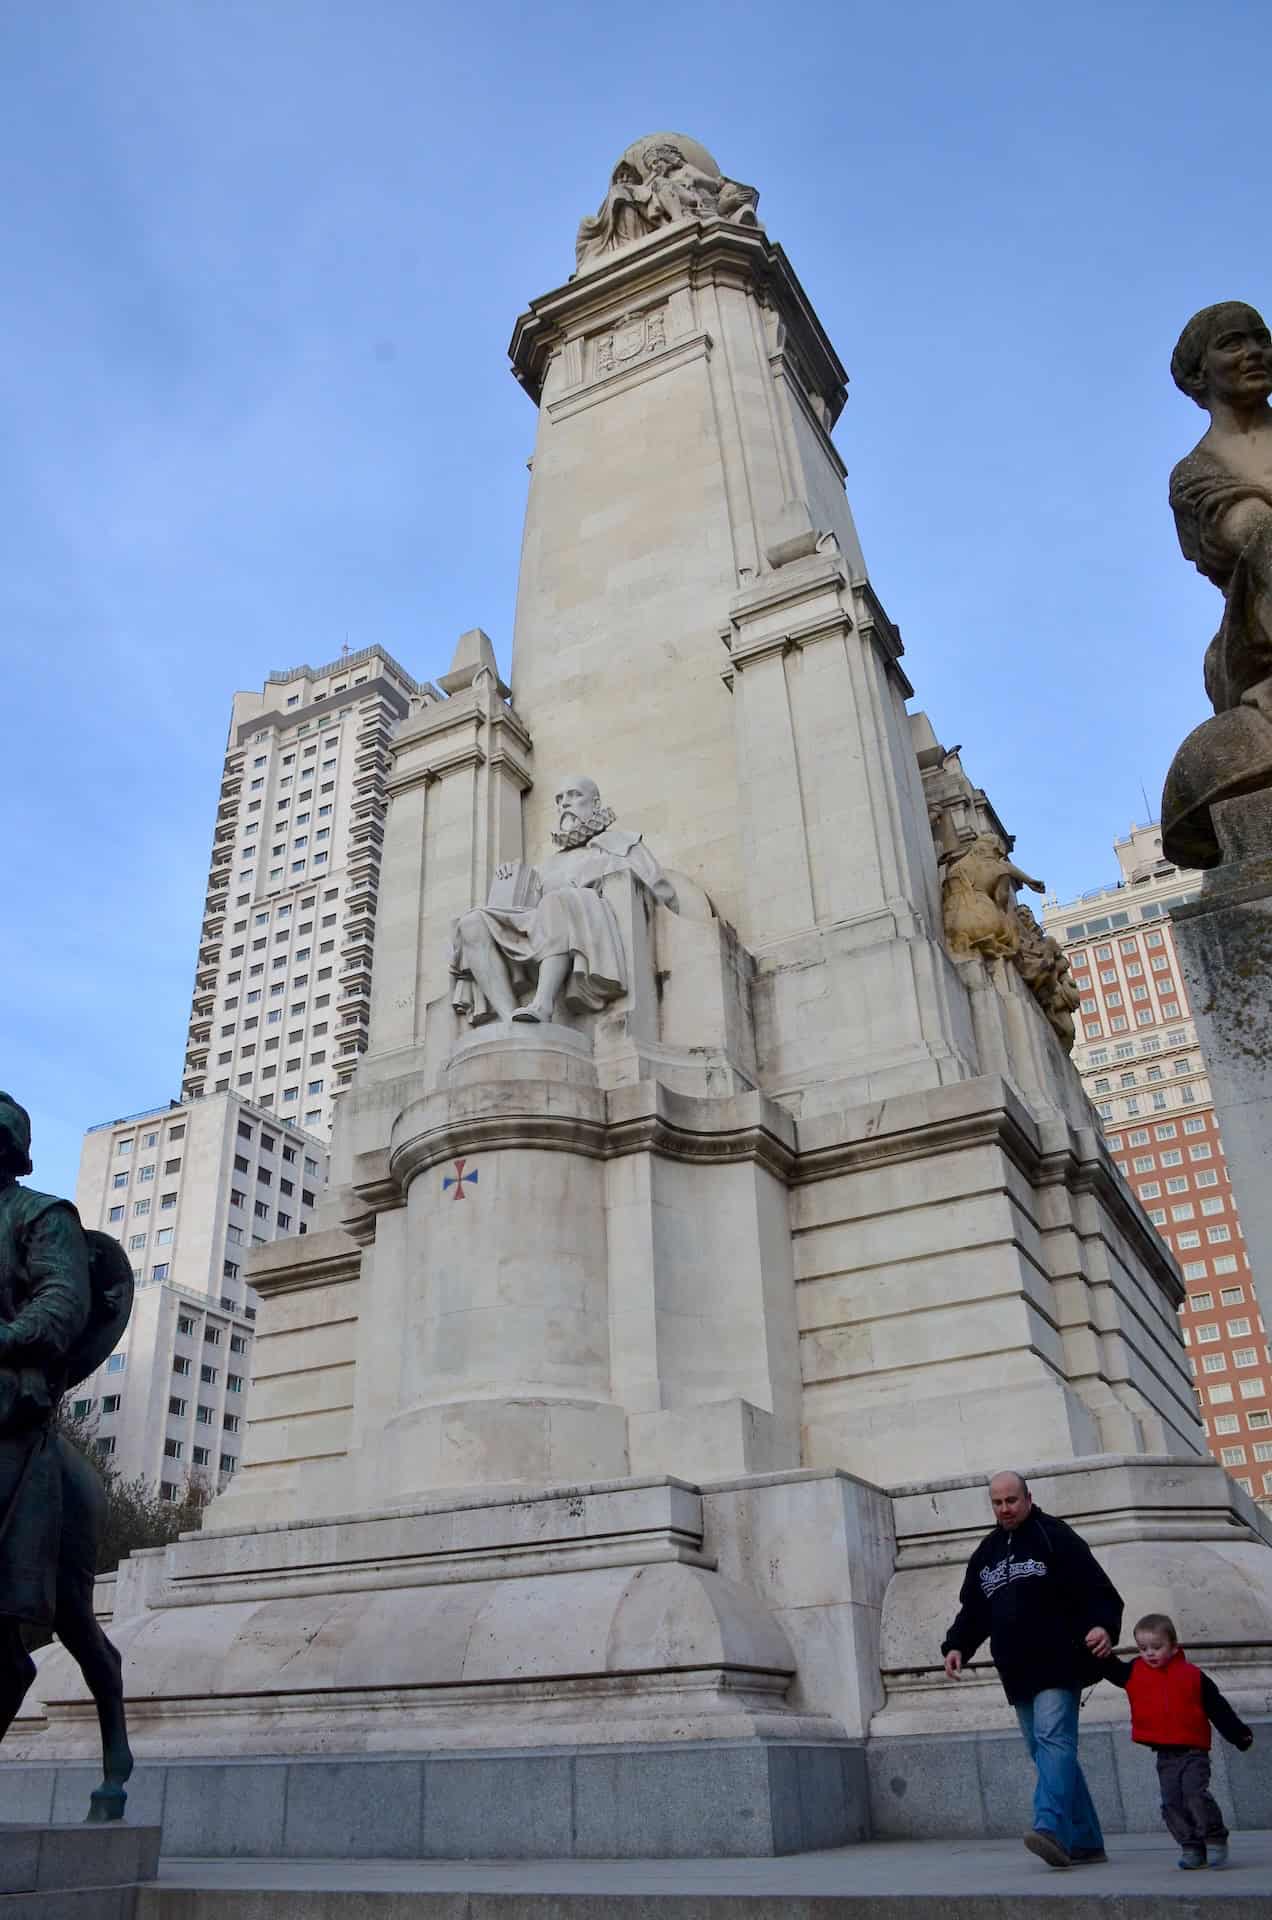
(1051, 1614)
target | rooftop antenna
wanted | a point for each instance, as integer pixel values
(344, 655)
(1148, 811)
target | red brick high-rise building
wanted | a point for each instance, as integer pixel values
(1138, 1057)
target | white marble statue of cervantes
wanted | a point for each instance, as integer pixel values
(550, 927)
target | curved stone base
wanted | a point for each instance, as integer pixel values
(1224, 757)
(579, 1617)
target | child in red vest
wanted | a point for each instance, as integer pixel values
(1172, 1706)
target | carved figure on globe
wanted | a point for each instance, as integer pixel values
(1221, 497)
(658, 181)
(549, 928)
(65, 1298)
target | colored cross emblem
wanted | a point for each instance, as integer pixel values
(458, 1179)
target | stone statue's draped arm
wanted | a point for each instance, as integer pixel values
(1234, 550)
(646, 868)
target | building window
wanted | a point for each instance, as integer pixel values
(1229, 1296)
(1211, 1329)
(181, 1366)
(1252, 1389)
(116, 1213)
(117, 1363)
(110, 1403)
(176, 1405)
(208, 1375)
(173, 1449)
(1215, 1363)
(159, 1271)
(1234, 1456)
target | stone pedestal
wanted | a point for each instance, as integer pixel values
(1224, 939)
(49, 1871)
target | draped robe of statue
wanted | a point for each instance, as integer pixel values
(44, 1302)
(569, 916)
(1202, 491)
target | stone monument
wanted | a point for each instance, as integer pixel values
(1217, 803)
(705, 1224)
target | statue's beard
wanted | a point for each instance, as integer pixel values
(576, 830)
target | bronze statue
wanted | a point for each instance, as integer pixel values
(65, 1297)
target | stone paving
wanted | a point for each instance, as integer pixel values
(931, 1879)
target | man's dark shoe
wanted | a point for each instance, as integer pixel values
(1047, 1847)
(1191, 1858)
(1217, 1853)
(1089, 1857)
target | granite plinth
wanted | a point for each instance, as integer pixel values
(51, 1871)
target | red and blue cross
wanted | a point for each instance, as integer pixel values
(459, 1179)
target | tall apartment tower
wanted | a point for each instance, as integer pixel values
(188, 1189)
(1138, 1057)
(283, 981)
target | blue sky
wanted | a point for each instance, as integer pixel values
(261, 262)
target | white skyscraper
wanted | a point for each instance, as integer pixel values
(278, 1018)
(282, 986)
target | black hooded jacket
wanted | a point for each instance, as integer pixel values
(1035, 1594)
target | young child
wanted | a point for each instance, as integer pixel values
(1173, 1704)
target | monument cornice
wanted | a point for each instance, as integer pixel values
(695, 250)
(999, 1124)
(543, 1123)
(328, 1259)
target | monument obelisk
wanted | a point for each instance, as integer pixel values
(695, 1247)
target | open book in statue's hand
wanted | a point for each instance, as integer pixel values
(515, 886)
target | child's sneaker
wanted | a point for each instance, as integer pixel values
(1191, 1858)
(1217, 1853)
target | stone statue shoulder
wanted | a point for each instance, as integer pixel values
(616, 840)
(1202, 489)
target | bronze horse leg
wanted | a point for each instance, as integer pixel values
(76, 1626)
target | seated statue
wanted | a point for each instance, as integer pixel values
(549, 928)
(1221, 494)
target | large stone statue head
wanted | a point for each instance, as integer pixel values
(580, 814)
(1224, 353)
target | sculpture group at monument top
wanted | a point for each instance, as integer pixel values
(659, 180)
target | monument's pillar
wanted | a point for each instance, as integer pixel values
(686, 393)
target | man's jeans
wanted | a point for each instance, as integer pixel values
(1062, 1802)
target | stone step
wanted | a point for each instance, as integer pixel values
(55, 1871)
(931, 1880)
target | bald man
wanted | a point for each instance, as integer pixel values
(1036, 1591)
